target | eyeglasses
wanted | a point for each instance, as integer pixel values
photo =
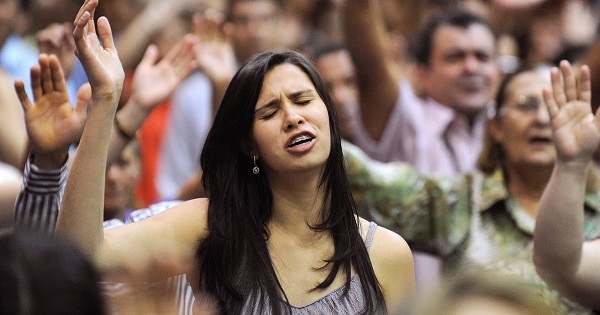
(527, 104)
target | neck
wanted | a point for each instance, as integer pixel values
(526, 184)
(297, 203)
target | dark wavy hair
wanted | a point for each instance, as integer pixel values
(235, 264)
(44, 275)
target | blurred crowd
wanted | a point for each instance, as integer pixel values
(439, 102)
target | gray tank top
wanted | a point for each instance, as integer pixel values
(335, 302)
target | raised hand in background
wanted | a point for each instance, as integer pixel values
(52, 123)
(57, 39)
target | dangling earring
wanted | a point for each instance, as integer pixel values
(255, 169)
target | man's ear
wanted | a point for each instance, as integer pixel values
(495, 130)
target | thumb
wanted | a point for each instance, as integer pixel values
(84, 95)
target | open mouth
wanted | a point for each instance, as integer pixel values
(540, 140)
(302, 139)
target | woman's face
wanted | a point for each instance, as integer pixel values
(523, 128)
(291, 131)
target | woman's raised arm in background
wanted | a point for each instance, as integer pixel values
(561, 256)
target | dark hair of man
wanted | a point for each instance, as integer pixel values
(326, 49)
(44, 275)
(457, 17)
(235, 261)
(231, 4)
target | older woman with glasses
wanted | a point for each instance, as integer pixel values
(485, 218)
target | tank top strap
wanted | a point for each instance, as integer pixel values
(370, 234)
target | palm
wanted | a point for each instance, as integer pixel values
(215, 54)
(154, 82)
(576, 130)
(100, 61)
(217, 60)
(52, 123)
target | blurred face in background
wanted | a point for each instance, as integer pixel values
(522, 126)
(339, 74)
(121, 178)
(253, 27)
(462, 72)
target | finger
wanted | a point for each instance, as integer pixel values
(58, 77)
(91, 24)
(150, 56)
(570, 82)
(81, 11)
(585, 84)
(184, 61)
(78, 33)
(46, 74)
(550, 103)
(23, 98)
(557, 87)
(35, 73)
(84, 96)
(82, 24)
(105, 33)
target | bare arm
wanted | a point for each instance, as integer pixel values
(143, 246)
(561, 256)
(366, 40)
(13, 137)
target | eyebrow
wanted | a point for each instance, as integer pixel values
(275, 101)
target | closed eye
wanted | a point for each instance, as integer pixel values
(303, 102)
(269, 114)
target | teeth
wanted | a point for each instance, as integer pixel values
(300, 139)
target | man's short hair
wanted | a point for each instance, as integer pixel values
(457, 17)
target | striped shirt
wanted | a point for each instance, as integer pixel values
(37, 209)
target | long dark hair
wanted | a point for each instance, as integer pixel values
(235, 262)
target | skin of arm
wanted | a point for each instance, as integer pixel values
(13, 137)
(366, 40)
(138, 247)
(8, 195)
(561, 256)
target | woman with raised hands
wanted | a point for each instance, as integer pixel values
(279, 233)
(562, 257)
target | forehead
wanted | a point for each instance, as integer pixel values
(338, 63)
(285, 78)
(473, 37)
(527, 83)
(253, 7)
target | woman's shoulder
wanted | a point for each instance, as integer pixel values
(393, 265)
(386, 246)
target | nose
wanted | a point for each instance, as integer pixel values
(293, 117)
(112, 173)
(471, 64)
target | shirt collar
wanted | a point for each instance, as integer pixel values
(494, 190)
(439, 117)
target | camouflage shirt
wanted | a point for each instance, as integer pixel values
(464, 219)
